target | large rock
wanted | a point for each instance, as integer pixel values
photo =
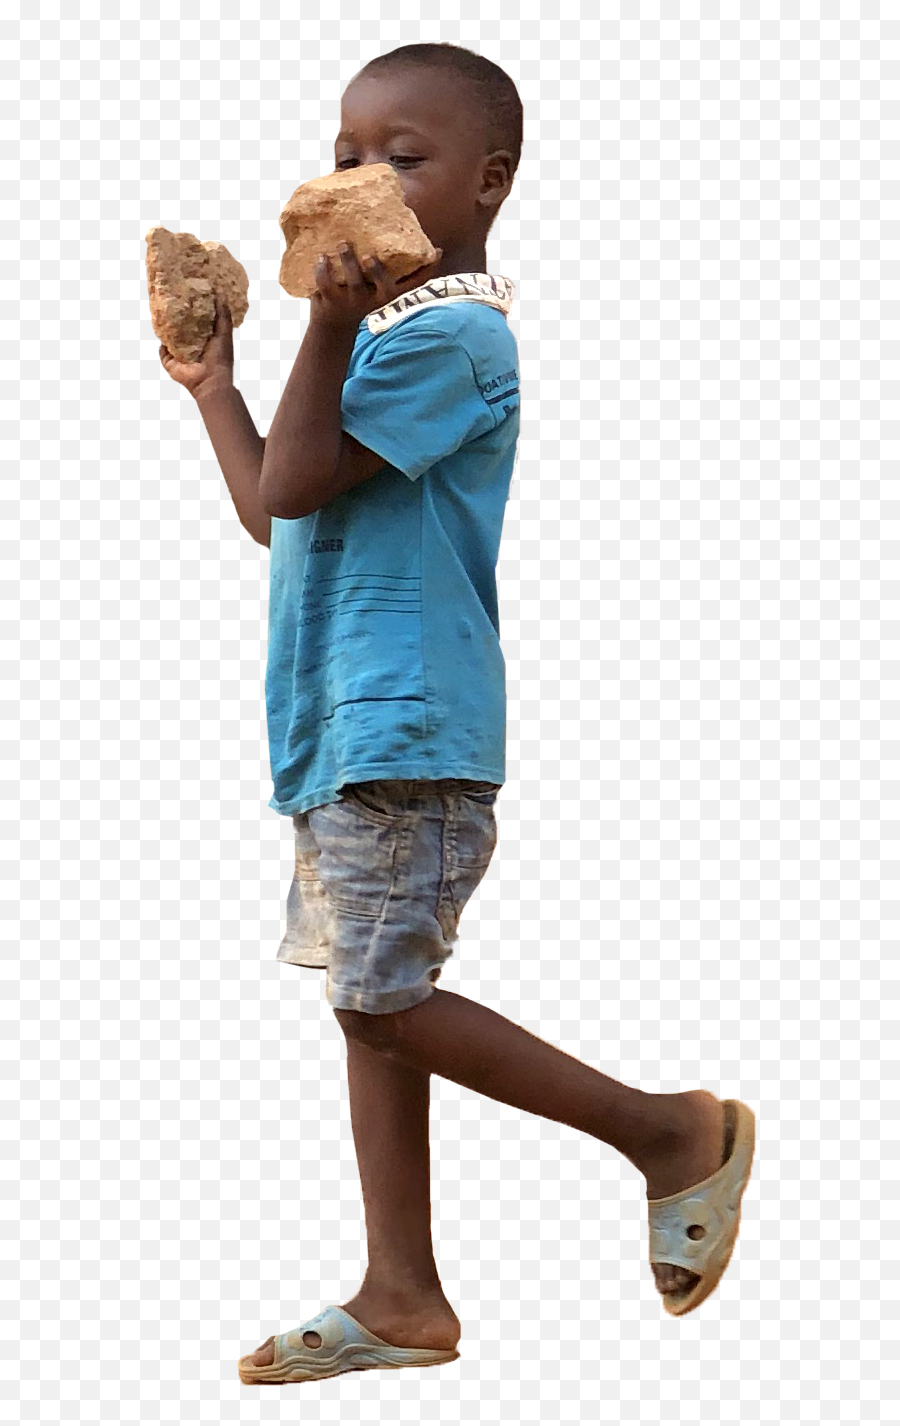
(363, 206)
(183, 276)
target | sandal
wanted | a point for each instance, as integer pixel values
(347, 1346)
(714, 1205)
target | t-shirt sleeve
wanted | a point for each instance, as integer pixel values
(418, 399)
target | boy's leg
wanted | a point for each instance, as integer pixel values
(401, 1298)
(389, 1107)
(674, 1140)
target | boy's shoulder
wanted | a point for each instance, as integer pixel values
(464, 321)
(428, 337)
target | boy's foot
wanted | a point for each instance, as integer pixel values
(421, 1324)
(694, 1150)
(697, 1150)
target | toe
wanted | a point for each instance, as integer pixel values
(264, 1356)
(670, 1278)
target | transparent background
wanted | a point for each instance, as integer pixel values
(699, 820)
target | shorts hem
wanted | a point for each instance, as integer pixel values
(386, 1003)
(315, 959)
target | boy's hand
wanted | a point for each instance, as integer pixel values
(216, 365)
(364, 285)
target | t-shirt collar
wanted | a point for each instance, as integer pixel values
(455, 287)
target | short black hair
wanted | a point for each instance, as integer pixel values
(490, 88)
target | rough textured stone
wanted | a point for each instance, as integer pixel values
(363, 206)
(183, 276)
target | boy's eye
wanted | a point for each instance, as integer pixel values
(395, 158)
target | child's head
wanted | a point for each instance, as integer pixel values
(457, 137)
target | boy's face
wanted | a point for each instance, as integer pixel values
(416, 123)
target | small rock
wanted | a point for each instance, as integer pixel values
(183, 278)
(363, 206)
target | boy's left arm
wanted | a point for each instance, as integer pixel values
(309, 460)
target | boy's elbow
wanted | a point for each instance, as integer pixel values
(272, 499)
(264, 490)
(270, 506)
(282, 511)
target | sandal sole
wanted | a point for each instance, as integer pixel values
(289, 1372)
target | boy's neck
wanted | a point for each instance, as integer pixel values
(469, 257)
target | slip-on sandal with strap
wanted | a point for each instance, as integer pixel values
(714, 1205)
(347, 1346)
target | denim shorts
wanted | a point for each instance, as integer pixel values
(380, 882)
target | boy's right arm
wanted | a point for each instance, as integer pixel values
(239, 450)
(238, 445)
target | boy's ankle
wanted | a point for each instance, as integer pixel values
(392, 1290)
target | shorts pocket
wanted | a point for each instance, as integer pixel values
(475, 835)
(470, 845)
(306, 940)
(357, 855)
(381, 802)
(484, 793)
(306, 852)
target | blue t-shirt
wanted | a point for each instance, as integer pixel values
(384, 654)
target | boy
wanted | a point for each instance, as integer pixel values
(383, 480)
